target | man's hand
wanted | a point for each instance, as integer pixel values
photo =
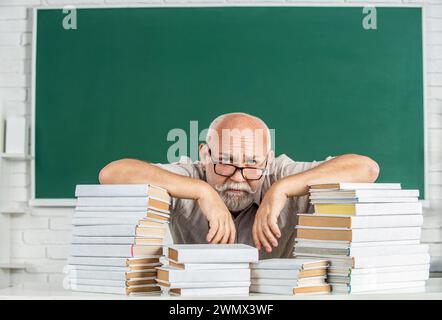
(221, 226)
(265, 228)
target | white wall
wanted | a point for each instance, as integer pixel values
(40, 237)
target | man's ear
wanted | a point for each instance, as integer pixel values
(271, 162)
(203, 152)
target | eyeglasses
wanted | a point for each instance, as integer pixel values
(228, 170)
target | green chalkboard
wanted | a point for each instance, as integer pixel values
(115, 86)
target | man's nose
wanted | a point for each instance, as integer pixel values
(237, 176)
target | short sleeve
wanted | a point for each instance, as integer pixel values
(285, 166)
(185, 167)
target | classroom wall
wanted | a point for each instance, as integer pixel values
(40, 237)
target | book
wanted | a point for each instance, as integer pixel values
(374, 270)
(136, 267)
(380, 277)
(144, 202)
(116, 209)
(122, 190)
(112, 261)
(355, 186)
(114, 283)
(290, 264)
(364, 193)
(187, 292)
(358, 235)
(289, 290)
(348, 244)
(203, 253)
(117, 231)
(363, 200)
(374, 287)
(154, 289)
(177, 275)
(206, 266)
(127, 251)
(287, 274)
(112, 275)
(310, 281)
(369, 208)
(208, 284)
(358, 222)
(380, 261)
(362, 251)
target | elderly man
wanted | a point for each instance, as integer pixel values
(238, 191)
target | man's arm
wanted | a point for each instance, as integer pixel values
(346, 168)
(132, 171)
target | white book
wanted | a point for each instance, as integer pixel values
(121, 190)
(275, 274)
(272, 289)
(198, 292)
(359, 222)
(205, 266)
(355, 186)
(362, 251)
(380, 277)
(109, 214)
(361, 209)
(114, 283)
(149, 289)
(147, 266)
(113, 231)
(289, 290)
(176, 275)
(375, 270)
(373, 287)
(213, 284)
(349, 244)
(313, 281)
(111, 261)
(144, 202)
(102, 240)
(380, 261)
(104, 221)
(364, 193)
(359, 235)
(290, 264)
(116, 209)
(211, 253)
(127, 251)
(364, 200)
(112, 275)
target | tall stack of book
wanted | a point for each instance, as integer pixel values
(290, 276)
(118, 238)
(370, 233)
(207, 269)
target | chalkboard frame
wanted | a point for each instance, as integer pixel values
(68, 202)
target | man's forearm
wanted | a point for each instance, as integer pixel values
(345, 168)
(132, 171)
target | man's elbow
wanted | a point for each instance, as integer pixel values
(110, 173)
(371, 168)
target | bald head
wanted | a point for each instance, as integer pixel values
(241, 128)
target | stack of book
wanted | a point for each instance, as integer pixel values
(118, 238)
(207, 269)
(290, 276)
(370, 233)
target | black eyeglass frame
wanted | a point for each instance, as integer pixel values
(264, 170)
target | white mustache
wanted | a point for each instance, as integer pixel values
(236, 186)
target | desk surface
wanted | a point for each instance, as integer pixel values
(38, 291)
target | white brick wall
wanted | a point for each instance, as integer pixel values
(40, 237)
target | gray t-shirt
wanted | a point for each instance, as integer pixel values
(189, 225)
